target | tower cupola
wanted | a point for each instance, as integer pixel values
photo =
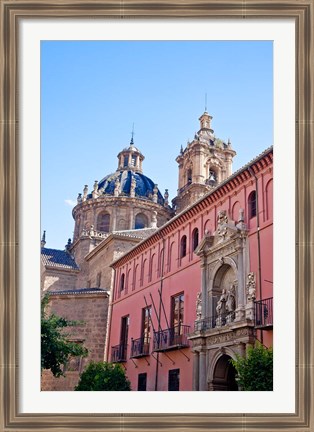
(130, 158)
(205, 120)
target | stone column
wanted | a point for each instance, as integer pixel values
(114, 217)
(204, 286)
(202, 372)
(196, 367)
(131, 226)
(241, 290)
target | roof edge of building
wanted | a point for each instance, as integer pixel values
(184, 211)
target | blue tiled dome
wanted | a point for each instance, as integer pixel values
(144, 186)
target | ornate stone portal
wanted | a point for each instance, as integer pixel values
(224, 323)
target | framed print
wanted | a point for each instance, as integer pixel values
(27, 53)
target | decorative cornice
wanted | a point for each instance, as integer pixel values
(240, 176)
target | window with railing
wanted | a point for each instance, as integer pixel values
(171, 338)
(119, 352)
(264, 313)
(140, 346)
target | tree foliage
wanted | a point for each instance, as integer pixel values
(255, 371)
(56, 348)
(103, 376)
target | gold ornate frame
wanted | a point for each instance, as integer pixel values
(302, 11)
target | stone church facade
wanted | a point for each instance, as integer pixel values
(171, 292)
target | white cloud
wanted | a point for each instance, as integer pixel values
(70, 202)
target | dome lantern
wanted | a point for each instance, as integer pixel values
(130, 158)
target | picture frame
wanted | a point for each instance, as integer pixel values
(11, 13)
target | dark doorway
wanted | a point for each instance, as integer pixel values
(224, 375)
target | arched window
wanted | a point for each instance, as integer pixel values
(269, 200)
(141, 221)
(171, 258)
(103, 222)
(183, 246)
(212, 177)
(195, 238)
(122, 278)
(135, 276)
(235, 211)
(189, 176)
(252, 204)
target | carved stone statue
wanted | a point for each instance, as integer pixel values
(166, 197)
(117, 188)
(155, 194)
(231, 302)
(199, 306)
(85, 192)
(221, 304)
(95, 191)
(222, 220)
(251, 287)
(153, 223)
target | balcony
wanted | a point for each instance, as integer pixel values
(140, 347)
(171, 338)
(264, 313)
(118, 353)
(214, 321)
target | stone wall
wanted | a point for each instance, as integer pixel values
(58, 279)
(92, 311)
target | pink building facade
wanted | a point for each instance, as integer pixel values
(198, 291)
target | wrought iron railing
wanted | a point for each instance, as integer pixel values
(140, 347)
(264, 313)
(118, 353)
(171, 338)
(214, 321)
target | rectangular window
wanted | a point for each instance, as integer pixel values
(125, 322)
(177, 312)
(174, 380)
(142, 382)
(146, 313)
(98, 282)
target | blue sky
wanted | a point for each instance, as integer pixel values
(93, 91)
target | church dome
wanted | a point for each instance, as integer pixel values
(144, 187)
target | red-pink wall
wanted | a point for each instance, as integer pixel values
(184, 275)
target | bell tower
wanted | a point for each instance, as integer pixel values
(203, 164)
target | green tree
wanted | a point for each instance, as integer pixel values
(56, 348)
(103, 376)
(255, 371)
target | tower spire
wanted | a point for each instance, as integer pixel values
(205, 102)
(132, 140)
(43, 239)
